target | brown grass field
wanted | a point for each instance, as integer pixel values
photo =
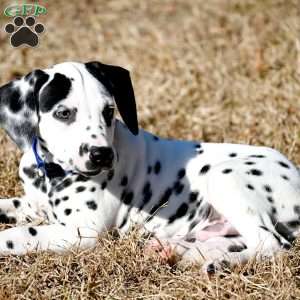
(216, 70)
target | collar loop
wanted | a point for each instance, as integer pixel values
(50, 170)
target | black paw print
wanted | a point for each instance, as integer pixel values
(24, 33)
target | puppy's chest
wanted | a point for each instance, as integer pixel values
(72, 199)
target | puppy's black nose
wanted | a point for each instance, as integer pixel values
(102, 156)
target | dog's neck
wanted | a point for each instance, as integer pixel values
(131, 149)
(44, 160)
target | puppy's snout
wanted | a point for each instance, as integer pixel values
(102, 156)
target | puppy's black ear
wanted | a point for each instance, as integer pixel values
(118, 83)
(19, 107)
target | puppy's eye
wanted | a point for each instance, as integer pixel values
(63, 113)
(108, 114)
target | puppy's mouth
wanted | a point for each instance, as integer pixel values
(93, 172)
(89, 173)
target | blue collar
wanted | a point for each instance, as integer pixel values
(50, 170)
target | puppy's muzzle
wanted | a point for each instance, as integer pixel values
(102, 156)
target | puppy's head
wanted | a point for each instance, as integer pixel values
(71, 108)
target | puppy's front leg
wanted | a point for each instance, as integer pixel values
(55, 237)
(21, 210)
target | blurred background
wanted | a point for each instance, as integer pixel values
(218, 70)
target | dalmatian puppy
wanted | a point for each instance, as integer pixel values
(85, 172)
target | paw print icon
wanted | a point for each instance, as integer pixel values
(24, 32)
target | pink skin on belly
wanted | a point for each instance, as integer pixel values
(217, 228)
(220, 227)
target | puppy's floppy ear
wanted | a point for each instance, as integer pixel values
(19, 107)
(118, 83)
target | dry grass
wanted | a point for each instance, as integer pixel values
(208, 70)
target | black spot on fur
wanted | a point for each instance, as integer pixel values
(15, 103)
(190, 239)
(193, 196)
(236, 248)
(204, 169)
(93, 189)
(65, 198)
(11, 97)
(93, 136)
(297, 209)
(273, 210)
(124, 181)
(157, 167)
(257, 156)
(232, 155)
(37, 182)
(91, 205)
(16, 203)
(128, 197)
(200, 201)
(37, 78)
(155, 138)
(286, 246)
(268, 189)
(250, 187)
(146, 187)
(181, 211)
(44, 188)
(211, 269)
(9, 244)
(192, 215)
(149, 170)
(293, 223)
(110, 175)
(255, 172)
(285, 177)
(28, 219)
(178, 187)
(30, 172)
(68, 211)
(85, 148)
(56, 202)
(181, 173)
(32, 231)
(147, 195)
(249, 163)
(270, 199)
(227, 171)
(55, 91)
(104, 185)
(4, 219)
(80, 189)
(66, 183)
(284, 165)
(12, 220)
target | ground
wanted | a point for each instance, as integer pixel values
(213, 71)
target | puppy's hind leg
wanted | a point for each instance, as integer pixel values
(238, 198)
